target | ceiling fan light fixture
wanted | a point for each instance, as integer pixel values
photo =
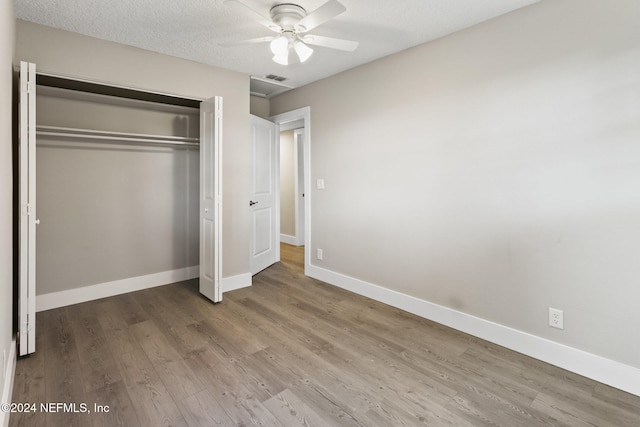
(291, 22)
(282, 59)
(303, 51)
(280, 46)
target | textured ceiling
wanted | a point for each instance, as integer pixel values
(193, 29)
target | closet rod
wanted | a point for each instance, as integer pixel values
(108, 136)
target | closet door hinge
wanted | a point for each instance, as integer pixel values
(26, 209)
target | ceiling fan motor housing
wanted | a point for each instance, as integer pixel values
(286, 15)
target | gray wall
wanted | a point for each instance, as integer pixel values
(73, 55)
(7, 28)
(494, 171)
(259, 106)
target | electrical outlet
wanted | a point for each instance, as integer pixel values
(319, 254)
(556, 318)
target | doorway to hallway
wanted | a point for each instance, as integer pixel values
(298, 121)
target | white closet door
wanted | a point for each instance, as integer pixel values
(28, 221)
(211, 198)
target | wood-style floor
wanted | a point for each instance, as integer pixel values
(289, 351)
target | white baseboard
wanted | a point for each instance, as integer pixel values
(132, 284)
(290, 240)
(117, 287)
(235, 282)
(615, 374)
(7, 386)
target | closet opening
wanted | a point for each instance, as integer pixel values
(117, 190)
(126, 195)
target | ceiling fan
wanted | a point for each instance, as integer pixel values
(291, 23)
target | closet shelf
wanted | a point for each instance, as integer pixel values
(109, 136)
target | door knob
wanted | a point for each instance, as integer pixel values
(37, 221)
(251, 203)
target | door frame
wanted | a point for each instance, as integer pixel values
(298, 171)
(303, 114)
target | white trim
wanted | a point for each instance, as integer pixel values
(296, 124)
(132, 284)
(7, 386)
(610, 372)
(117, 287)
(290, 240)
(235, 282)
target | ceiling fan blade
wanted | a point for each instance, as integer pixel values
(263, 20)
(249, 41)
(330, 42)
(329, 10)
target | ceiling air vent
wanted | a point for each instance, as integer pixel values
(276, 78)
(268, 86)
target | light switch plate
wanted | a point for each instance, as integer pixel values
(320, 183)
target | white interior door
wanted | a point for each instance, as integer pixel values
(28, 221)
(211, 198)
(264, 203)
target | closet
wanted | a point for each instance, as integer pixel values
(127, 191)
